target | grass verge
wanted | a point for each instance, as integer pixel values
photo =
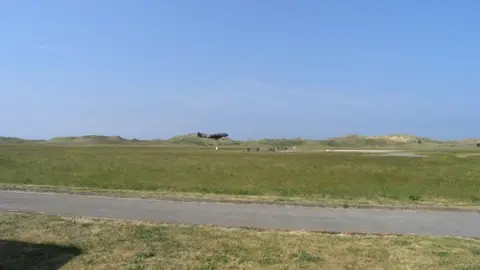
(48, 242)
(245, 199)
(440, 179)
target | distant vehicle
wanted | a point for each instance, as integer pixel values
(215, 136)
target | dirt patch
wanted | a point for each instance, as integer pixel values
(466, 155)
(401, 154)
(381, 153)
(361, 150)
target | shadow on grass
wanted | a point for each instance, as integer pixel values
(23, 255)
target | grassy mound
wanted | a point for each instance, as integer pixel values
(389, 140)
(91, 139)
(10, 139)
(191, 139)
(15, 140)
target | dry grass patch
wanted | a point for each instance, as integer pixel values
(49, 242)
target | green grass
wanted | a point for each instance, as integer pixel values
(442, 177)
(31, 241)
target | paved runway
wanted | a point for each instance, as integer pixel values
(465, 224)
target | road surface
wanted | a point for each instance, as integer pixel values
(466, 224)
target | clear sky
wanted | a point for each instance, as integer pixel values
(251, 68)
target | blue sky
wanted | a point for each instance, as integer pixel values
(252, 68)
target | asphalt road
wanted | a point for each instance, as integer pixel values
(466, 224)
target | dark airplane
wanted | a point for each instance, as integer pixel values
(214, 136)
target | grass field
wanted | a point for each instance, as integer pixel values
(31, 241)
(441, 177)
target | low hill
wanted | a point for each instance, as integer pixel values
(16, 140)
(192, 139)
(392, 140)
(95, 139)
(10, 139)
(402, 138)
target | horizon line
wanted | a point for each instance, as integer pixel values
(260, 138)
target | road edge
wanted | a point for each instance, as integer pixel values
(179, 198)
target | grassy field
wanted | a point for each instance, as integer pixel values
(441, 177)
(31, 241)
